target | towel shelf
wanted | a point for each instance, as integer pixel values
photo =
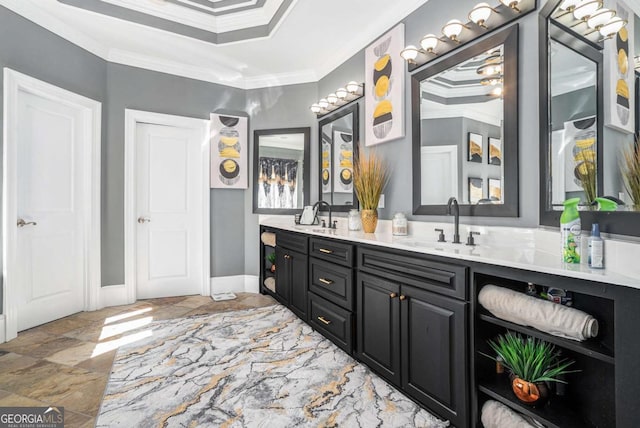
(590, 347)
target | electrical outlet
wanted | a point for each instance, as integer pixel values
(381, 201)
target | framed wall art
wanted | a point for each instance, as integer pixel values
(495, 190)
(384, 88)
(474, 145)
(475, 190)
(229, 152)
(495, 151)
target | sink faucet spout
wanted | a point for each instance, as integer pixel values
(328, 206)
(454, 209)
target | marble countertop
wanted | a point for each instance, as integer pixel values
(519, 248)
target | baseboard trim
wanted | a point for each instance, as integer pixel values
(113, 295)
(235, 284)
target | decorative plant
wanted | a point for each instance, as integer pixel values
(586, 172)
(530, 359)
(271, 257)
(370, 176)
(631, 173)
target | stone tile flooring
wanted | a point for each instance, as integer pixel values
(67, 362)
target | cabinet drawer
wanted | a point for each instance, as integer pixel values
(422, 272)
(332, 251)
(292, 241)
(332, 321)
(333, 282)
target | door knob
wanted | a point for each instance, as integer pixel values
(142, 220)
(392, 295)
(22, 223)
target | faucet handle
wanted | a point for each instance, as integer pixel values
(441, 235)
(324, 224)
(335, 224)
(470, 240)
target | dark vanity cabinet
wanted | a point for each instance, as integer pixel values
(411, 332)
(291, 271)
(331, 290)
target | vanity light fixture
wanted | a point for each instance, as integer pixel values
(429, 43)
(491, 81)
(410, 54)
(452, 30)
(342, 96)
(611, 28)
(586, 9)
(497, 91)
(512, 4)
(480, 13)
(600, 18)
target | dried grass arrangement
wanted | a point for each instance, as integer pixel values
(631, 173)
(370, 176)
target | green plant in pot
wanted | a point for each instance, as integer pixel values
(532, 364)
(271, 258)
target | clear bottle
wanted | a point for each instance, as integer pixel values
(596, 248)
(399, 225)
(355, 222)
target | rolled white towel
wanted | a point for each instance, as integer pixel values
(497, 415)
(268, 238)
(544, 315)
(270, 283)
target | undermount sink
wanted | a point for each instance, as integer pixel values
(421, 243)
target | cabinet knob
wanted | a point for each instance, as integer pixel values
(393, 295)
(287, 256)
(402, 297)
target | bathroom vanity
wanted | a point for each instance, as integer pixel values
(408, 308)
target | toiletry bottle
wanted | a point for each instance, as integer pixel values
(570, 230)
(596, 248)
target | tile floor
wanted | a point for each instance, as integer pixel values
(67, 362)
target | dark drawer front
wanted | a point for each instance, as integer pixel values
(443, 278)
(332, 251)
(332, 321)
(333, 282)
(292, 241)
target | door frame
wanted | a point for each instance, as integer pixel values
(132, 118)
(14, 83)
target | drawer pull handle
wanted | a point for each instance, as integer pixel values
(325, 281)
(324, 250)
(324, 320)
(402, 297)
(393, 295)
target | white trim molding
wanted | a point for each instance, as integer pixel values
(132, 118)
(113, 295)
(235, 284)
(14, 84)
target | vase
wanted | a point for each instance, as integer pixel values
(529, 393)
(369, 220)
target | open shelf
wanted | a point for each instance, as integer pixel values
(590, 348)
(556, 413)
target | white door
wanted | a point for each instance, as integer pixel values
(49, 276)
(169, 205)
(438, 174)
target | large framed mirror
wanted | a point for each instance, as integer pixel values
(581, 153)
(338, 136)
(281, 170)
(465, 130)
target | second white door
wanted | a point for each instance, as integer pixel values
(169, 202)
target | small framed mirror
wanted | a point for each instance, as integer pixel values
(281, 170)
(338, 136)
(465, 130)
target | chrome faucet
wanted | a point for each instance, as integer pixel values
(453, 203)
(331, 225)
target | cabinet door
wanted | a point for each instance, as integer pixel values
(297, 268)
(283, 275)
(379, 325)
(434, 369)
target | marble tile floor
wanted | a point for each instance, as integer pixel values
(67, 362)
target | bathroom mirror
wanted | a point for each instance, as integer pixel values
(581, 150)
(465, 130)
(281, 170)
(338, 136)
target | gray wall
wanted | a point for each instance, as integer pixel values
(429, 18)
(135, 88)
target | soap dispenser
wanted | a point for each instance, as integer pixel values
(596, 248)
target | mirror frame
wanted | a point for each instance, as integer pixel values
(306, 173)
(341, 112)
(510, 206)
(615, 222)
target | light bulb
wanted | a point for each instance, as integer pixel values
(611, 28)
(323, 103)
(584, 10)
(429, 42)
(315, 108)
(480, 13)
(332, 98)
(452, 29)
(497, 91)
(512, 4)
(410, 53)
(341, 93)
(569, 4)
(600, 18)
